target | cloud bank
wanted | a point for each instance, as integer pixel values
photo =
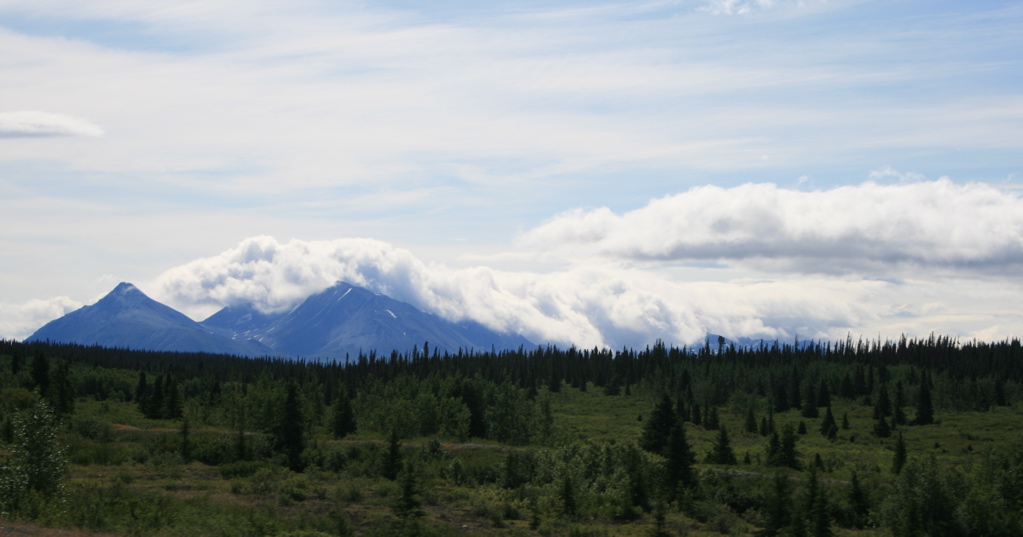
(621, 283)
(33, 124)
(21, 320)
(868, 228)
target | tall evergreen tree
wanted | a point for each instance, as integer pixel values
(41, 373)
(657, 428)
(678, 471)
(779, 508)
(828, 426)
(900, 455)
(722, 452)
(898, 412)
(810, 408)
(392, 460)
(924, 406)
(289, 431)
(751, 422)
(343, 419)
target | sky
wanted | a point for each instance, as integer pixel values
(588, 173)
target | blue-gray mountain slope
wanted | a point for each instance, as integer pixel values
(345, 320)
(126, 317)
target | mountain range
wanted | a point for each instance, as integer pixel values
(338, 323)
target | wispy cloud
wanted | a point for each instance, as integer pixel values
(32, 124)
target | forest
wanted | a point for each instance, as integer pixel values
(911, 437)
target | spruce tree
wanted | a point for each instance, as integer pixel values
(900, 455)
(924, 406)
(288, 433)
(778, 509)
(881, 429)
(392, 458)
(41, 373)
(722, 452)
(828, 426)
(343, 419)
(657, 428)
(679, 464)
(751, 422)
(898, 412)
(810, 408)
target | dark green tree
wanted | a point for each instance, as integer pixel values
(779, 508)
(186, 442)
(289, 431)
(859, 502)
(722, 452)
(392, 460)
(41, 373)
(882, 429)
(924, 406)
(62, 393)
(342, 421)
(810, 408)
(751, 422)
(900, 456)
(898, 410)
(678, 470)
(657, 428)
(567, 496)
(828, 426)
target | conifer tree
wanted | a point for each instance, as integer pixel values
(392, 460)
(751, 422)
(288, 432)
(778, 509)
(568, 507)
(343, 419)
(679, 464)
(810, 408)
(898, 412)
(657, 428)
(858, 501)
(883, 407)
(722, 452)
(881, 429)
(828, 426)
(924, 406)
(41, 373)
(823, 394)
(900, 456)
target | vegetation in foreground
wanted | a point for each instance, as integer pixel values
(865, 438)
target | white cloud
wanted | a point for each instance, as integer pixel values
(592, 304)
(865, 228)
(31, 123)
(18, 321)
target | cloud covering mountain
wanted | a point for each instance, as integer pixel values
(755, 260)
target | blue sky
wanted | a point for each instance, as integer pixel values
(598, 173)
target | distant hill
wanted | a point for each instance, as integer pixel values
(342, 320)
(126, 317)
(346, 319)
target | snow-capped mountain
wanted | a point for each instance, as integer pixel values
(341, 321)
(345, 319)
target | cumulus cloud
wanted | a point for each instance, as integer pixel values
(867, 228)
(18, 321)
(587, 305)
(31, 124)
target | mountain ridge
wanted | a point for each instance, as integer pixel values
(339, 322)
